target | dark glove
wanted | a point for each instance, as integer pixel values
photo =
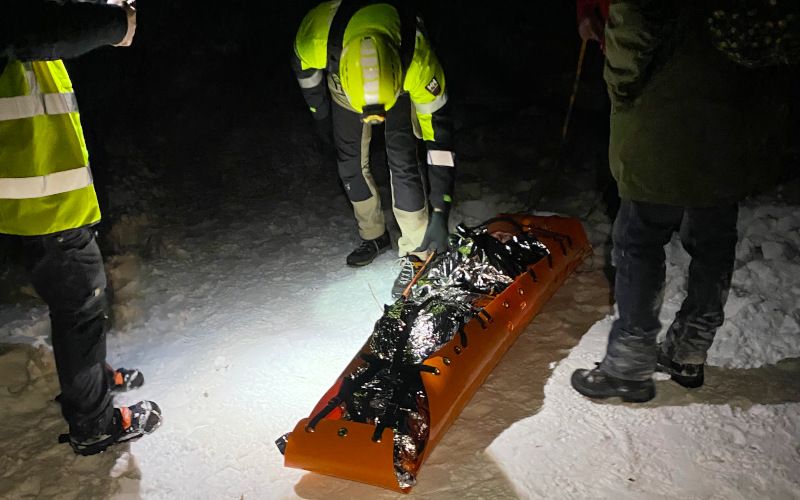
(325, 135)
(436, 235)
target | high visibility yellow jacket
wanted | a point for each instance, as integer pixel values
(45, 181)
(424, 80)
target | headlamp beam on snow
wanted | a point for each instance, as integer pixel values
(373, 114)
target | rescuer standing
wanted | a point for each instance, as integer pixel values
(47, 199)
(373, 60)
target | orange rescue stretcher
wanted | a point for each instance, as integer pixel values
(342, 448)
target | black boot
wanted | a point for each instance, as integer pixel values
(598, 385)
(368, 250)
(688, 375)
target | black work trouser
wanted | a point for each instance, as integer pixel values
(401, 155)
(641, 231)
(67, 273)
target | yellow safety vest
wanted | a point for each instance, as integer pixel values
(45, 182)
(424, 79)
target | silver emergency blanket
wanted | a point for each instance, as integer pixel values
(386, 390)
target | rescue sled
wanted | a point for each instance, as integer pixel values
(433, 348)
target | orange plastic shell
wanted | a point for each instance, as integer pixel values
(345, 449)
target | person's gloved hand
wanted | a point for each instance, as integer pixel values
(436, 235)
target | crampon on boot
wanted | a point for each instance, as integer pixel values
(124, 379)
(130, 423)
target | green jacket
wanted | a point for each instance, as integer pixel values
(688, 126)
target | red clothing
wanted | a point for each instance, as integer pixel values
(587, 8)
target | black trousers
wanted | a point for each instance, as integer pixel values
(67, 273)
(641, 231)
(401, 155)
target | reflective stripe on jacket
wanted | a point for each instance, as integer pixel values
(45, 182)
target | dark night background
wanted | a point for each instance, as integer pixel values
(205, 104)
(204, 110)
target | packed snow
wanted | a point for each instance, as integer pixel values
(242, 314)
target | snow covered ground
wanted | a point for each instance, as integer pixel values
(738, 437)
(242, 314)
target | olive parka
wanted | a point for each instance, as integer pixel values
(688, 126)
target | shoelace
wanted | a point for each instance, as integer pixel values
(407, 269)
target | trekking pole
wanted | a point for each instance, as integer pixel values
(532, 200)
(575, 85)
(407, 291)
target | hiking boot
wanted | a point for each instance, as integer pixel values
(123, 379)
(130, 423)
(687, 375)
(598, 385)
(410, 265)
(368, 250)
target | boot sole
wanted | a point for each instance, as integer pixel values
(638, 399)
(627, 398)
(687, 382)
